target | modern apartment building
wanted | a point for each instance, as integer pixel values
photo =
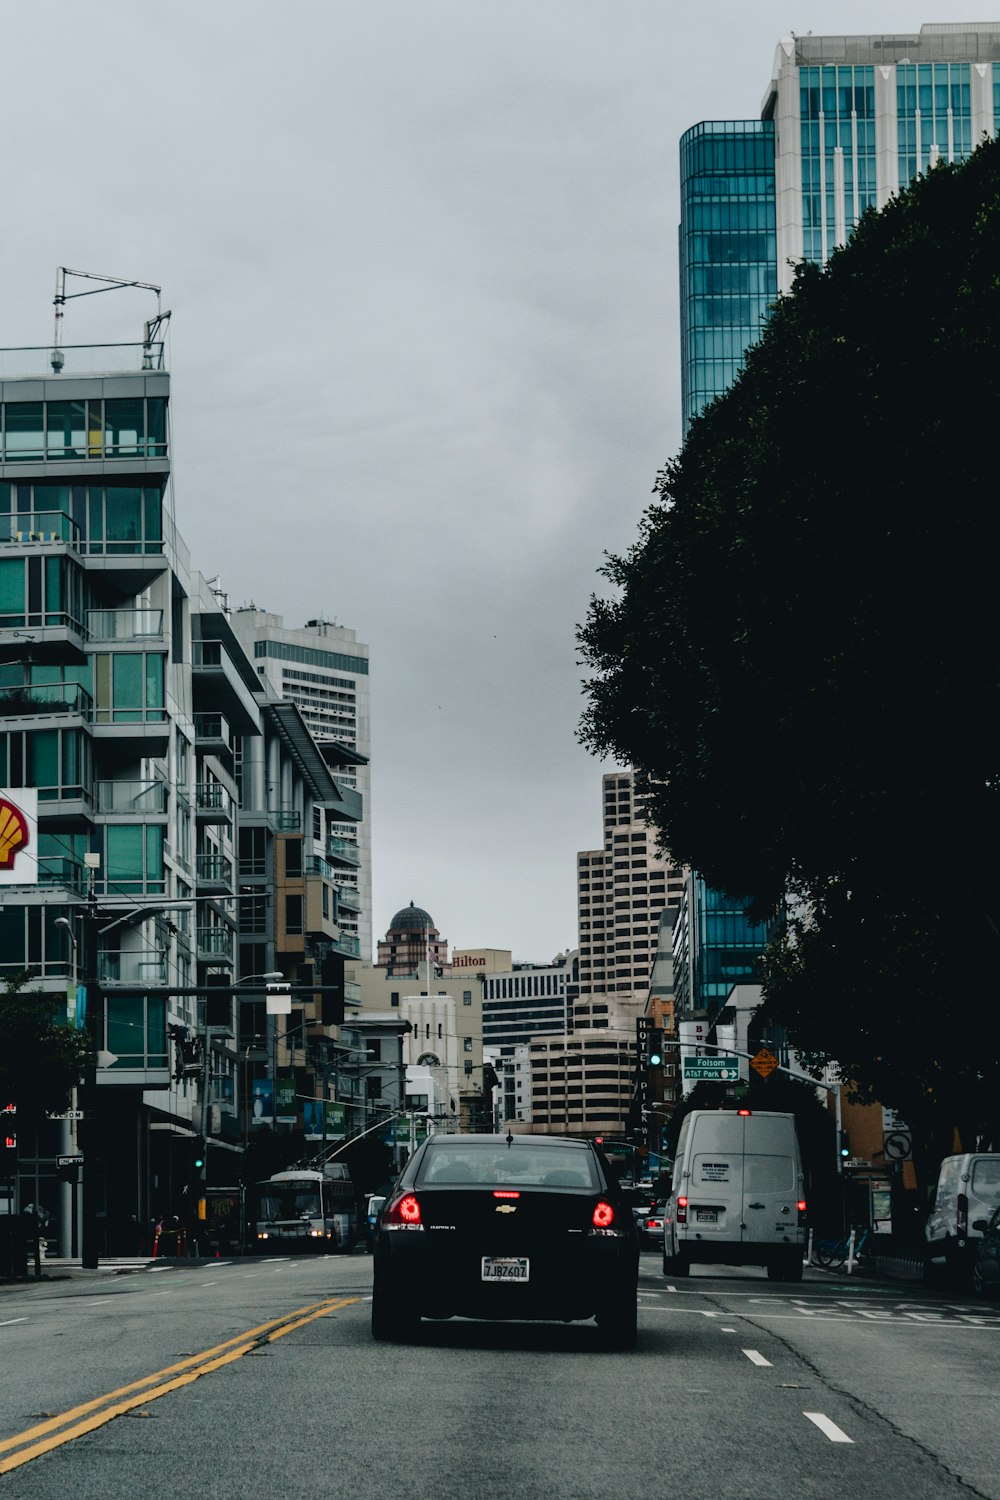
(131, 716)
(322, 668)
(846, 121)
(621, 890)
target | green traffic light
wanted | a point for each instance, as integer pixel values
(655, 1060)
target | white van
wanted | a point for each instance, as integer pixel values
(967, 1192)
(737, 1194)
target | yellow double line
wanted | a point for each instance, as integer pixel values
(79, 1420)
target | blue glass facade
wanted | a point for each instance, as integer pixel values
(934, 108)
(837, 108)
(728, 253)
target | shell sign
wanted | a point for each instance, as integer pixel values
(18, 834)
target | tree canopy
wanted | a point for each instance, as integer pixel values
(41, 1058)
(800, 655)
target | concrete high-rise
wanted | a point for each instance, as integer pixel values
(323, 669)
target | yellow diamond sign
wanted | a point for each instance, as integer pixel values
(764, 1061)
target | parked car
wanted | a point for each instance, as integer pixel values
(505, 1227)
(737, 1194)
(986, 1267)
(967, 1192)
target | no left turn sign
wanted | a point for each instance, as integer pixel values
(897, 1145)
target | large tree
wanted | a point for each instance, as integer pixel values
(800, 653)
(41, 1057)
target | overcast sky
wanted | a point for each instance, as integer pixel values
(422, 262)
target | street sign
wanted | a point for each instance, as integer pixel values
(70, 1161)
(764, 1061)
(897, 1145)
(64, 1114)
(711, 1069)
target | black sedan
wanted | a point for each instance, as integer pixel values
(506, 1227)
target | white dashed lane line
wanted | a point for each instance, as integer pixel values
(832, 1431)
(7, 1323)
(756, 1358)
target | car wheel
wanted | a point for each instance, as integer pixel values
(618, 1321)
(390, 1319)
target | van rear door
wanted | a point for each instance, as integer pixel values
(715, 1186)
(770, 1181)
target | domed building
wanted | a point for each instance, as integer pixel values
(409, 941)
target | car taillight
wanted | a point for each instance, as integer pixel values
(603, 1216)
(505, 1193)
(405, 1211)
(801, 1206)
(682, 1210)
(962, 1216)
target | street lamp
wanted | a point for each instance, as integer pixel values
(67, 1218)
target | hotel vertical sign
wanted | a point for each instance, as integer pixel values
(18, 836)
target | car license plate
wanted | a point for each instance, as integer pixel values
(505, 1269)
(707, 1215)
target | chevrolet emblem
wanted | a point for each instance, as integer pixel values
(506, 1208)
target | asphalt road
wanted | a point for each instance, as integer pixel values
(259, 1378)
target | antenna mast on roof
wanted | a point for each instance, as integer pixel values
(112, 283)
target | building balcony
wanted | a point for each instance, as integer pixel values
(121, 625)
(57, 870)
(286, 821)
(136, 969)
(343, 852)
(213, 735)
(317, 866)
(143, 732)
(132, 799)
(38, 528)
(212, 801)
(218, 680)
(348, 945)
(214, 873)
(214, 945)
(348, 899)
(51, 699)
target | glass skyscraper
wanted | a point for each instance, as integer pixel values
(845, 123)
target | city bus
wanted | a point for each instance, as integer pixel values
(305, 1210)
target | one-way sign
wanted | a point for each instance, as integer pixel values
(70, 1161)
(64, 1114)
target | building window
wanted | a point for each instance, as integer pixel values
(293, 915)
(467, 1044)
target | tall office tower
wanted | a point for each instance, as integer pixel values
(526, 1001)
(323, 669)
(846, 121)
(621, 890)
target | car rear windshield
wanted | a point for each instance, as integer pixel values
(520, 1165)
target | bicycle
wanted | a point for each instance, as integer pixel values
(830, 1255)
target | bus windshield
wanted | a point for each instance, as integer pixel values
(289, 1200)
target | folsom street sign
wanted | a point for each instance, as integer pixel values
(711, 1069)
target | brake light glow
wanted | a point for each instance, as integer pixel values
(682, 1210)
(505, 1193)
(603, 1216)
(744, 1111)
(801, 1206)
(404, 1213)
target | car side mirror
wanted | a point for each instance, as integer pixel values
(980, 1225)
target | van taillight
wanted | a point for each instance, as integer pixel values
(801, 1206)
(404, 1211)
(682, 1210)
(962, 1216)
(603, 1216)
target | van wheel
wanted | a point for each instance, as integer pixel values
(785, 1267)
(676, 1265)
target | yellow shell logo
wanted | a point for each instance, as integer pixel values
(13, 833)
